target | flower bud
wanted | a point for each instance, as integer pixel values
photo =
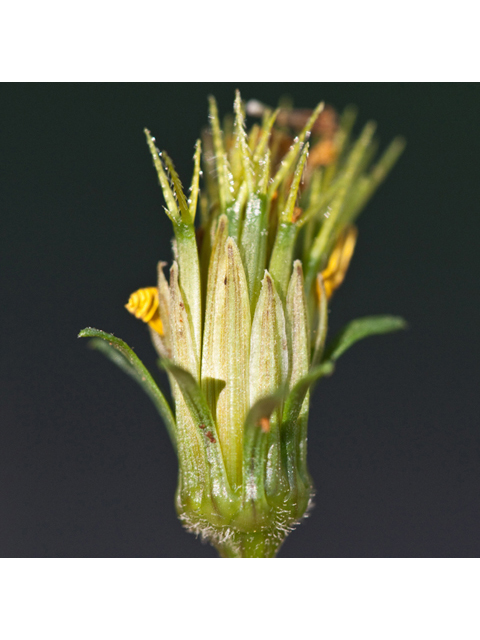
(241, 325)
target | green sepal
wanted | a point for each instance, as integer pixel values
(202, 417)
(122, 355)
(361, 328)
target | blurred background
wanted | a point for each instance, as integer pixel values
(86, 466)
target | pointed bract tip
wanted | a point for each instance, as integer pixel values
(298, 267)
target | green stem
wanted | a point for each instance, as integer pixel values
(259, 544)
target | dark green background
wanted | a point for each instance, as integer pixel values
(86, 466)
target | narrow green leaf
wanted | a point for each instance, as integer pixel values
(283, 249)
(194, 189)
(211, 195)
(172, 209)
(252, 138)
(178, 190)
(324, 239)
(193, 395)
(122, 355)
(224, 191)
(253, 244)
(288, 213)
(264, 173)
(359, 329)
(264, 136)
(347, 120)
(366, 185)
(295, 398)
(242, 142)
(388, 159)
(322, 321)
(281, 259)
(206, 427)
(329, 228)
(292, 153)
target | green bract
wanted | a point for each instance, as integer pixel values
(240, 326)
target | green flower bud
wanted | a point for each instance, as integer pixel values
(241, 325)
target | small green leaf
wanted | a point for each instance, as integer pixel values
(359, 329)
(121, 354)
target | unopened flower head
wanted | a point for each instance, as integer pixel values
(263, 239)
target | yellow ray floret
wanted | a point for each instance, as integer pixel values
(336, 269)
(143, 304)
